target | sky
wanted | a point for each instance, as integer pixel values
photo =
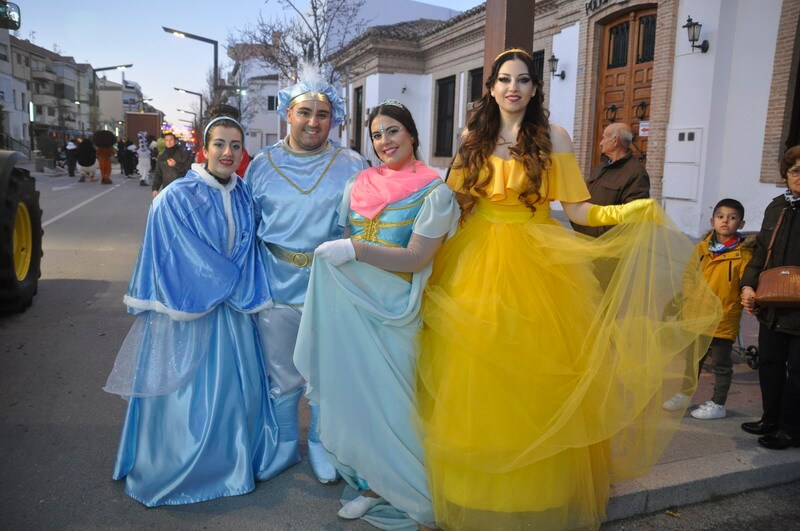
(105, 33)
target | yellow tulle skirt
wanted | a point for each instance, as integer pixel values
(545, 358)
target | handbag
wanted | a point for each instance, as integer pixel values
(778, 287)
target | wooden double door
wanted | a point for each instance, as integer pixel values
(626, 77)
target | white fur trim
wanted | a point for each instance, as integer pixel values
(226, 198)
(143, 305)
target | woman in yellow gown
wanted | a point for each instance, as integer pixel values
(545, 356)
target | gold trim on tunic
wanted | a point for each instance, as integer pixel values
(319, 180)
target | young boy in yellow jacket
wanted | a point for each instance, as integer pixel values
(722, 255)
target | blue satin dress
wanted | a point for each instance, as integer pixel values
(359, 366)
(200, 424)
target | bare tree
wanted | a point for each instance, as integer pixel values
(280, 43)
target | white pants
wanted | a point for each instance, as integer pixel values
(277, 330)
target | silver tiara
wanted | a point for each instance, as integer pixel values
(393, 102)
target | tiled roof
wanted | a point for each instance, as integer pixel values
(411, 29)
(29, 46)
(415, 29)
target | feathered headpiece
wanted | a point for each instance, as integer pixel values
(310, 86)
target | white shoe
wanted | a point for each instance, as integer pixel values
(358, 507)
(676, 402)
(323, 469)
(709, 411)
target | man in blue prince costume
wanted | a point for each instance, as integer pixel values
(297, 185)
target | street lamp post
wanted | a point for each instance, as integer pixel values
(194, 115)
(183, 34)
(200, 122)
(194, 129)
(95, 103)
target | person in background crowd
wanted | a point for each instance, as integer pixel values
(152, 144)
(779, 330)
(172, 164)
(129, 159)
(722, 255)
(620, 178)
(143, 157)
(71, 152)
(104, 155)
(86, 157)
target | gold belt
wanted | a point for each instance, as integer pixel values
(292, 257)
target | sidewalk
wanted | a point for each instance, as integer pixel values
(48, 172)
(711, 458)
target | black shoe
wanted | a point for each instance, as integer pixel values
(142, 183)
(760, 427)
(779, 441)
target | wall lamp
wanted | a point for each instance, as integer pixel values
(693, 28)
(553, 62)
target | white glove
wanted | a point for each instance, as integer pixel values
(336, 252)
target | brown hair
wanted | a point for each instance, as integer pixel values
(402, 115)
(788, 160)
(532, 148)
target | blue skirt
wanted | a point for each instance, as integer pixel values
(212, 437)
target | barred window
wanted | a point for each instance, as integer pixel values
(618, 45)
(647, 39)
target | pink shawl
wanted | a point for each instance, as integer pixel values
(377, 187)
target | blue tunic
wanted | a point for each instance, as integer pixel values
(200, 424)
(296, 197)
(360, 366)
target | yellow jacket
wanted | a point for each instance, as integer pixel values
(723, 274)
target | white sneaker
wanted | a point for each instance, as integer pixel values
(709, 411)
(676, 402)
(358, 507)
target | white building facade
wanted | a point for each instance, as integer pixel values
(707, 125)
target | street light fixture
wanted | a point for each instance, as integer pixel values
(201, 102)
(184, 35)
(194, 129)
(194, 114)
(95, 103)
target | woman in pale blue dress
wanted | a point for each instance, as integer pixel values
(200, 424)
(356, 345)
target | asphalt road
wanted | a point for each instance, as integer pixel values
(59, 430)
(772, 509)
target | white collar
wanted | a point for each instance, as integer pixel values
(211, 181)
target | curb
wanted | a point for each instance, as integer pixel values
(702, 479)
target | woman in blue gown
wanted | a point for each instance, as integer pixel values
(200, 424)
(359, 365)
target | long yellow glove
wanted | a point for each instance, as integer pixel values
(636, 210)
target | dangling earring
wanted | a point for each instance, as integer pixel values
(413, 163)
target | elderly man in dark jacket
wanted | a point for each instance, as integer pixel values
(173, 163)
(620, 178)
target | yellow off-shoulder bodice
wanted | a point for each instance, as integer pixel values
(563, 180)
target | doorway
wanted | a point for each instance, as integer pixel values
(626, 77)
